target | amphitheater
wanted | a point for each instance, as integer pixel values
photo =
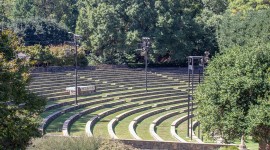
(120, 108)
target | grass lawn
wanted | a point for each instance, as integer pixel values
(163, 129)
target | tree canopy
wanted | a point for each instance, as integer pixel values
(234, 98)
(236, 83)
(115, 27)
(19, 108)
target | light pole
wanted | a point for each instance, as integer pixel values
(75, 38)
(203, 61)
(145, 48)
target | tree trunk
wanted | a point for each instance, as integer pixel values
(264, 146)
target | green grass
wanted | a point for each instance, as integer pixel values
(56, 125)
(163, 129)
(142, 128)
(181, 131)
(47, 113)
(101, 128)
(121, 129)
(78, 128)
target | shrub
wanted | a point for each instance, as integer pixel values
(75, 143)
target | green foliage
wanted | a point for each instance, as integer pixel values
(212, 12)
(259, 116)
(38, 54)
(63, 11)
(247, 29)
(62, 59)
(68, 143)
(40, 31)
(19, 108)
(112, 29)
(246, 5)
(236, 83)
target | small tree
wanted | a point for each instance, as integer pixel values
(19, 108)
(234, 98)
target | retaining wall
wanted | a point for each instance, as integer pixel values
(157, 145)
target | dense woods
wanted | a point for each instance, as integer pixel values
(234, 95)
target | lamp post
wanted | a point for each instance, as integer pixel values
(144, 52)
(75, 38)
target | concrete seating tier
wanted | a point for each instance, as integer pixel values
(110, 127)
(72, 119)
(80, 100)
(134, 111)
(175, 98)
(138, 119)
(166, 91)
(169, 102)
(114, 121)
(62, 83)
(158, 121)
(139, 93)
(163, 95)
(175, 124)
(46, 121)
(195, 125)
(90, 124)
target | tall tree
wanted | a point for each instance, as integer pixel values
(19, 108)
(114, 27)
(234, 98)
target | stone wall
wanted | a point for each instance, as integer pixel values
(156, 145)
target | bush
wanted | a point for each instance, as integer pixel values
(75, 143)
(61, 59)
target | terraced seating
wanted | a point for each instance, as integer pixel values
(113, 122)
(175, 124)
(53, 116)
(124, 88)
(90, 124)
(73, 118)
(138, 119)
(162, 118)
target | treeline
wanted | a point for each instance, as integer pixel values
(111, 30)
